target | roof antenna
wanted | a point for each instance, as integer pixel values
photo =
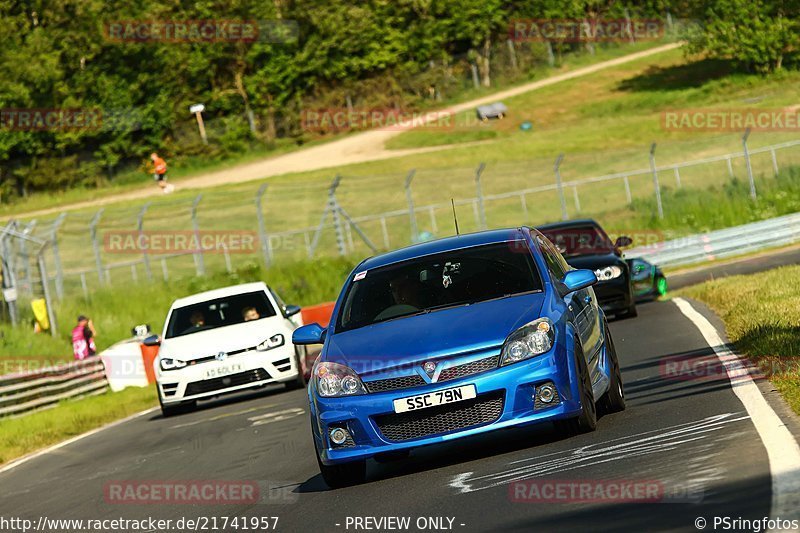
(455, 218)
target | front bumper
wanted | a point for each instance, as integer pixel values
(242, 371)
(369, 417)
(614, 295)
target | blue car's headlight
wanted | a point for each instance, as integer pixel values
(333, 379)
(534, 338)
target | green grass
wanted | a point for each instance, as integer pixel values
(762, 319)
(26, 434)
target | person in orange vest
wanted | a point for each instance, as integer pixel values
(160, 173)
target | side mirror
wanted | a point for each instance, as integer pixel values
(291, 310)
(575, 280)
(152, 340)
(310, 334)
(623, 241)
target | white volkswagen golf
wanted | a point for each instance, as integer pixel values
(226, 340)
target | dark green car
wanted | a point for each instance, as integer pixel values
(647, 279)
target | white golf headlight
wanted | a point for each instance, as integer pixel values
(273, 342)
(607, 273)
(167, 363)
(333, 379)
(534, 338)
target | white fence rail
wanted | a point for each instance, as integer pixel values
(719, 244)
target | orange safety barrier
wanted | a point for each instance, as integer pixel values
(320, 313)
(149, 354)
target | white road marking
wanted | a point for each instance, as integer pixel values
(26, 458)
(277, 416)
(220, 417)
(646, 443)
(782, 449)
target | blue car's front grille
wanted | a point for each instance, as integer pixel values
(484, 409)
(467, 369)
(403, 382)
(415, 380)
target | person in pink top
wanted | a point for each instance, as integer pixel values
(83, 336)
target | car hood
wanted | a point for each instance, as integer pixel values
(439, 334)
(594, 261)
(226, 339)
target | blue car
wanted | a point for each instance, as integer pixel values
(457, 337)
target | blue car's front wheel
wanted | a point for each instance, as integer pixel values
(587, 420)
(613, 400)
(341, 475)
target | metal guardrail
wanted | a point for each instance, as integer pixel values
(31, 391)
(719, 244)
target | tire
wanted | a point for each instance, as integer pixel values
(341, 475)
(661, 286)
(631, 312)
(587, 420)
(176, 409)
(613, 401)
(300, 381)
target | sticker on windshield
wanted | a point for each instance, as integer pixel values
(361, 275)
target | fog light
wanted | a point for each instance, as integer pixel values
(546, 393)
(338, 436)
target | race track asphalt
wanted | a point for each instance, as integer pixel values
(691, 437)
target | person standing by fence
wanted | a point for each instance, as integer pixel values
(83, 336)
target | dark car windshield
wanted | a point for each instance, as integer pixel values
(439, 281)
(579, 240)
(218, 313)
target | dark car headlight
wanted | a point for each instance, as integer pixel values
(534, 338)
(607, 273)
(333, 379)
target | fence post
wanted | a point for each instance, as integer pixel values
(95, 245)
(655, 180)
(337, 219)
(57, 255)
(774, 162)
(749, 166)
(677, 177)
(479, 191)
(557, 170)
(412, 215)
(385, 232)
(164, 270)
(730, 167)
(199, 263)
(25, 257)
(576, 198)
(627, 189)
(266, 249)
(51, 315)
(140, 226)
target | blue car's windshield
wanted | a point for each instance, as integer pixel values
(448, 279)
